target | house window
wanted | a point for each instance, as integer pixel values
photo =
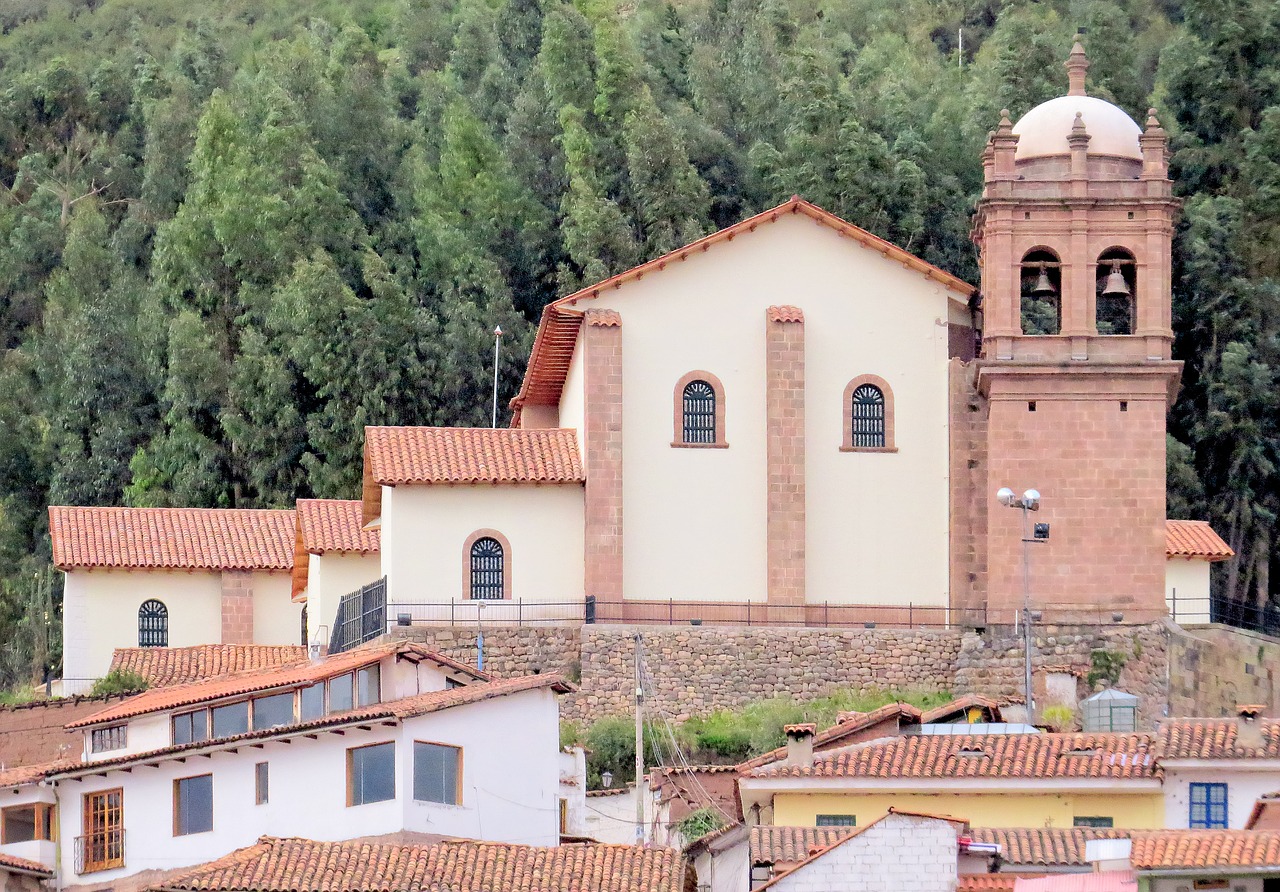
(311, 702)
(487, 569)
(1208, 807)
(837, 821)
(24, 823)
(273, 711)
(103, 740)
(261, 783)
(153, 624)
(193, 805)
(231, 719)
(341, 696)
(368, 685)
(190, 727)
(436, 773)
(102, 845)
(699, 411)
(868, 416)
(371, 773)
(1094, 821)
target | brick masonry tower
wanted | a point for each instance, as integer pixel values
(1074, 228)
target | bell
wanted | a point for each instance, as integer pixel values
(1115, 285)
(1043, 287)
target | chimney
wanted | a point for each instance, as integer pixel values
(1249, 734)
(800, 744)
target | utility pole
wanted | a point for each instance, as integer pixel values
(639, 747)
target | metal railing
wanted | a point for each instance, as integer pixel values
(99, 851)
(1242, 615)
(362, 616)
(515, 612)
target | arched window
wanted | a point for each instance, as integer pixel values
(304, 641)
(153, 624)
(868, 415)
(1041, 290)
(699, 411)
(1116, 281)
(488, 569)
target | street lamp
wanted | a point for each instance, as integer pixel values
(606, 778)
(1029, 501)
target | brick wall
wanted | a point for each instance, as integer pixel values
(237, 607)
(968, 497)
(785, 519)
(602, 450)
(874, 860)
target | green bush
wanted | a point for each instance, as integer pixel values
(119, 681)
(699, 823)
(18, 696)
(1059, 717)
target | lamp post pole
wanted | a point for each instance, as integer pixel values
(1028, 502)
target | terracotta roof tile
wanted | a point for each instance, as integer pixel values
(301, 865)
(171, 538)
(961, 706)
(1214, 739)
(1174, 849)
(12, 862)
(989, 882)
(334, 525)
(166, 666)
(397, 455)
(850, 723)
(1115, 756)
(785, 314)
(1043, 846)
(604, 318)
(773, 845)
(1194, 538)
(160, 699)
(27, 774)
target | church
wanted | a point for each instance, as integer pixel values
(788, 421)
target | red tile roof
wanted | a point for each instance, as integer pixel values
(1176, 849)
(1114, 756)
(850, 724)
(166, 666)
(1214, 739)
(27, 774)
(1194, 539)
(789, 845)
(1043, 846)
(785, 314)
(302, 865)
(960, 707)
(334, 525)
(558, 330)
(160, 699)
(171, 538)
(22, 865)
(989, 882)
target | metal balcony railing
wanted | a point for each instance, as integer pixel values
(362, 616)
(99, 851)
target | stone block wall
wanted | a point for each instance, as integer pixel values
(237, 607)
(1214, 668)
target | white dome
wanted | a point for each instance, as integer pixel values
(1043, 130)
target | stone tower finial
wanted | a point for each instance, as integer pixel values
(1077, 68)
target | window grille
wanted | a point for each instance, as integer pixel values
(487, 569)
(153, 624)
(699, 424)
(867, 417)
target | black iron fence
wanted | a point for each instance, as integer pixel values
(504, 612)
(1242, 615)
(362, 616)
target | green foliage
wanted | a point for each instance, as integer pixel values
(570, 734)
(699, 823)
(1105, 665)
(1059, 717)
(119, 681)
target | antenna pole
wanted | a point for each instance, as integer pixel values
(639, 748)
(497, 340)
(961, 53)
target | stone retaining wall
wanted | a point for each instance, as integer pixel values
(1214, 668)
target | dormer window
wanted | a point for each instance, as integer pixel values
(113, 737)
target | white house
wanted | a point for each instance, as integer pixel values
(1215, 770)
(1191, 548)
(379, 740)
(335, 556)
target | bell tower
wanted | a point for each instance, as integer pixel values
(1074, 229)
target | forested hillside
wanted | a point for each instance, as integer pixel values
(233, 234)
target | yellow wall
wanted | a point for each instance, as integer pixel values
(1144, 811)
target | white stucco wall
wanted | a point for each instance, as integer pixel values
(329, 577)
(276, 619)
(425, 529)
(100, 613)
(573, 397)
(694, 519)
(1186, 589)
(509, 793)
(41, 851)
(1246, 780)
(725, 870)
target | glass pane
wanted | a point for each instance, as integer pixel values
(370, 685)
(340, 693)
(435, 773)
(273, 711)
(373, 773)
(231, 719)
(262, 781)
(312, 705)
(19, 824)
(194, 808)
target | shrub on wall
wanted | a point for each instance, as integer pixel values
(119, 681)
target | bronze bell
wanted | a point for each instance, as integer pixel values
(1043, 287)
(1115, 285)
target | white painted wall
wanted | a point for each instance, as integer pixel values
(424, 530)
(573, 397)
(329, 577)
(276, 619)
(510, 793)
(725, 870)
(1189, 578)
(100, 613)
(40, 851)
(694, 519)
(573, 789)
(1246, 780)
(612, 818)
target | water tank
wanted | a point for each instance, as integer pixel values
(1109, 710)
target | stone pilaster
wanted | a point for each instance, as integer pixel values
(237, 607)
(784, 377)
(602, 452)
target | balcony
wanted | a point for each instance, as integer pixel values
(99, 851)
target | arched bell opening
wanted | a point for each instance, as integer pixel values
(1041, 290)
(1117, 287)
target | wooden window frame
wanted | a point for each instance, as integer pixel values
(208, 725)
(86, 825)
(350, 773)
(261, 783)
(43, 819)
(677, 417)
(457, 795)
(1208, 787)
(507, 565)
(108, 736)
(846, 411)
(176, 782)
